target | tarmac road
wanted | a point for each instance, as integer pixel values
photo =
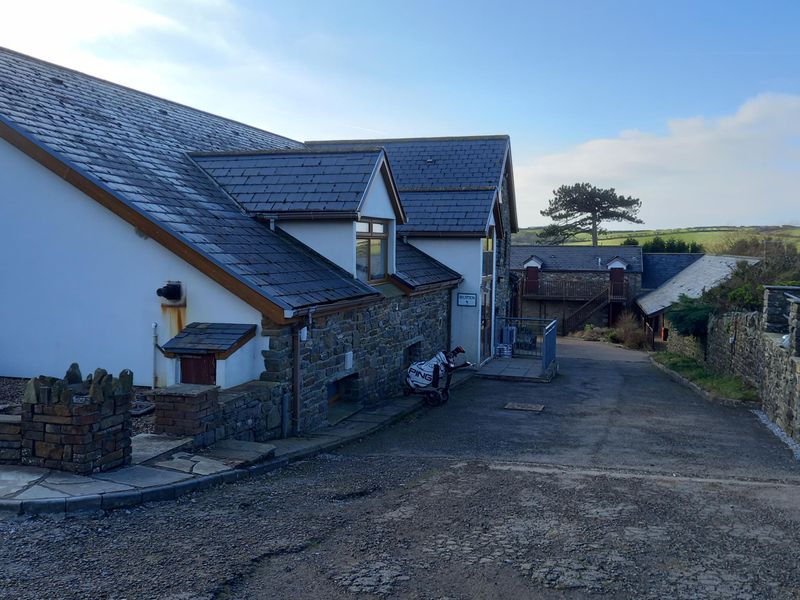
(626, 485)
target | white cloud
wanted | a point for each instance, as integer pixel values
(737, 169)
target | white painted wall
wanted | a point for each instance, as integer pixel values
(377, 204)
(78, 284)
(335, 240)
(465, 257)
(238, 367)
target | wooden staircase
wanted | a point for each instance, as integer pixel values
(586, 310)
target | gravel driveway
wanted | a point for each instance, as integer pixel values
(626, 486)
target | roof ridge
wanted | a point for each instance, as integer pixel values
(452, 138)
(4, 49)
(475, 188)
(287, 151)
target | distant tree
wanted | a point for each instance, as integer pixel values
(630, 241)
(581, 208)
(658, 244)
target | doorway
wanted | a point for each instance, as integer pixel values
(486, 319)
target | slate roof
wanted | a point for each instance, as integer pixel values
(208, 338)
(135, 146)
(416, 269)
(577, 258)
(660, 267)
(295, 181)
(440, 167)
(455, 211)
(705, 273)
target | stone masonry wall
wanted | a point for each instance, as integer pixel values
(81, 427)
(10, 439)
(250, 412)
(503, 291)
(750, 346)
(738, 345)
(382, 338)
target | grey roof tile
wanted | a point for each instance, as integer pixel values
(208, 338)
(430, 173)
(415, 268)
(660, 267)
(705, 273)
(577, 258)
(136, 145)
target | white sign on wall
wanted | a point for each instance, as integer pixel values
(467, 300)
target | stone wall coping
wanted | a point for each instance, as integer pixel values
(795, 288)
(190, 390)
(13, 419)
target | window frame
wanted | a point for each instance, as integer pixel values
(373, 235)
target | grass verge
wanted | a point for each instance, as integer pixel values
(725, 386)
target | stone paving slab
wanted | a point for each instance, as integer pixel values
(239, 453)
(194, 464)
(171, 473)
(147, 446)
(14, 479)
(90, 487)
(139, 476)
(37, 492)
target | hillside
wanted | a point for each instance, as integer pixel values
(709, 237)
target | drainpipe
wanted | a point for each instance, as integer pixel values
(155, 355)
(296, 379)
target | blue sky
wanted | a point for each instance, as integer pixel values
(692, 106)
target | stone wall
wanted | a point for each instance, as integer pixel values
(76, 426)
(367, 348)
(250, 412)
(503, 287)
(738, 345)
(690, 346)
(750, 346)
(10, 439)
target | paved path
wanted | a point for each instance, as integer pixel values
(626, 485)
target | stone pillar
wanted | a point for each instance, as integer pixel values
(794, 329)
(776, 307)
(82, 427)
(188, 409)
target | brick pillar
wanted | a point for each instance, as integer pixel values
(188, 409)
(77, 427)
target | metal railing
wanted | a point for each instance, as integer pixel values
(529, 338)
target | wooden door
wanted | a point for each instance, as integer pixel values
(532, 280)
(617, 283)
(199, 369)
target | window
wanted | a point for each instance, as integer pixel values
(487, 245)
(372, 250)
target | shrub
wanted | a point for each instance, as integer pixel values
(630, 241)
(629, 332)
(689, 316)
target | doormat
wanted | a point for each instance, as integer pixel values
(527, 407)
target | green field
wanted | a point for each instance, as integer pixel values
(709, 237)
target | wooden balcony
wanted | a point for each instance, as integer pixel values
(575, 291)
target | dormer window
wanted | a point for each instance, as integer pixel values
(372, 250)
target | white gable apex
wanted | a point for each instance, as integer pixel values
(533, 262)
(617, 263)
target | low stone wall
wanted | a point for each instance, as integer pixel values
(250, 412)
(75, 426)
(738, 345)
(685, 344)
(750, 346)
(10, 439)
